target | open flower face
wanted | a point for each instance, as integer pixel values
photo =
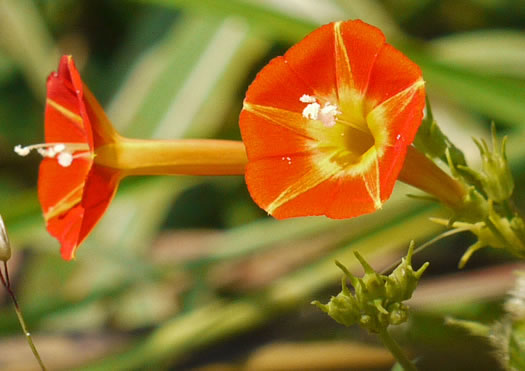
(327, 125)
(74, 192)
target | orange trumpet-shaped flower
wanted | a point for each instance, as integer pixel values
(85, 158)
(327, 126)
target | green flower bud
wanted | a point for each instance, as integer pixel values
(342, 308)
(495, 177)
(403, 280)
(5, 246)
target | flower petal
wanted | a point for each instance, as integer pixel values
(60, 192)
(315, 53)
(66, 229)
(269, 90)
(73, 225)
(99, 191)
(66, 119)
(262, 125)
(363, 43)
(101, 128)
(291, 176)
(392, 73)
(60, 188)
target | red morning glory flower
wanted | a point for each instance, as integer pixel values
(85, 158)
(327, 126)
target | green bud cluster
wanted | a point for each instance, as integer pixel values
(487, 209)
(377, 300)
(495, 176)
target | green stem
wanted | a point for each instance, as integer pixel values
(7, 284)
(396, 350)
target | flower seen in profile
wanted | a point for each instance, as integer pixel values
(85, 158)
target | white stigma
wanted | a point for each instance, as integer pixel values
(62, 152)
(65, 159)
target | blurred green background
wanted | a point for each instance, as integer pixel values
(187, 273)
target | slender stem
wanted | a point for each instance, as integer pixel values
(173, 157)
(8, 281)
(7, 284)
(2, 278)
(396, 350)
(417, 250)
(419, 171)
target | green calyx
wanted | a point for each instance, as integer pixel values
(377, 299)
(433, 142)
(495, 176)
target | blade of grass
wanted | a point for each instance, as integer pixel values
(477, 51)
(188, 332)
(25, 37)
(498, 98)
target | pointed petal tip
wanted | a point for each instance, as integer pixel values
(68, 250)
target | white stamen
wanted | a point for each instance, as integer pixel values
(59, 147)
(328, 113)
(51, 150)
(305, 98)
(65, 159)
(43, 152)
(311, 111)
(22, 151)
